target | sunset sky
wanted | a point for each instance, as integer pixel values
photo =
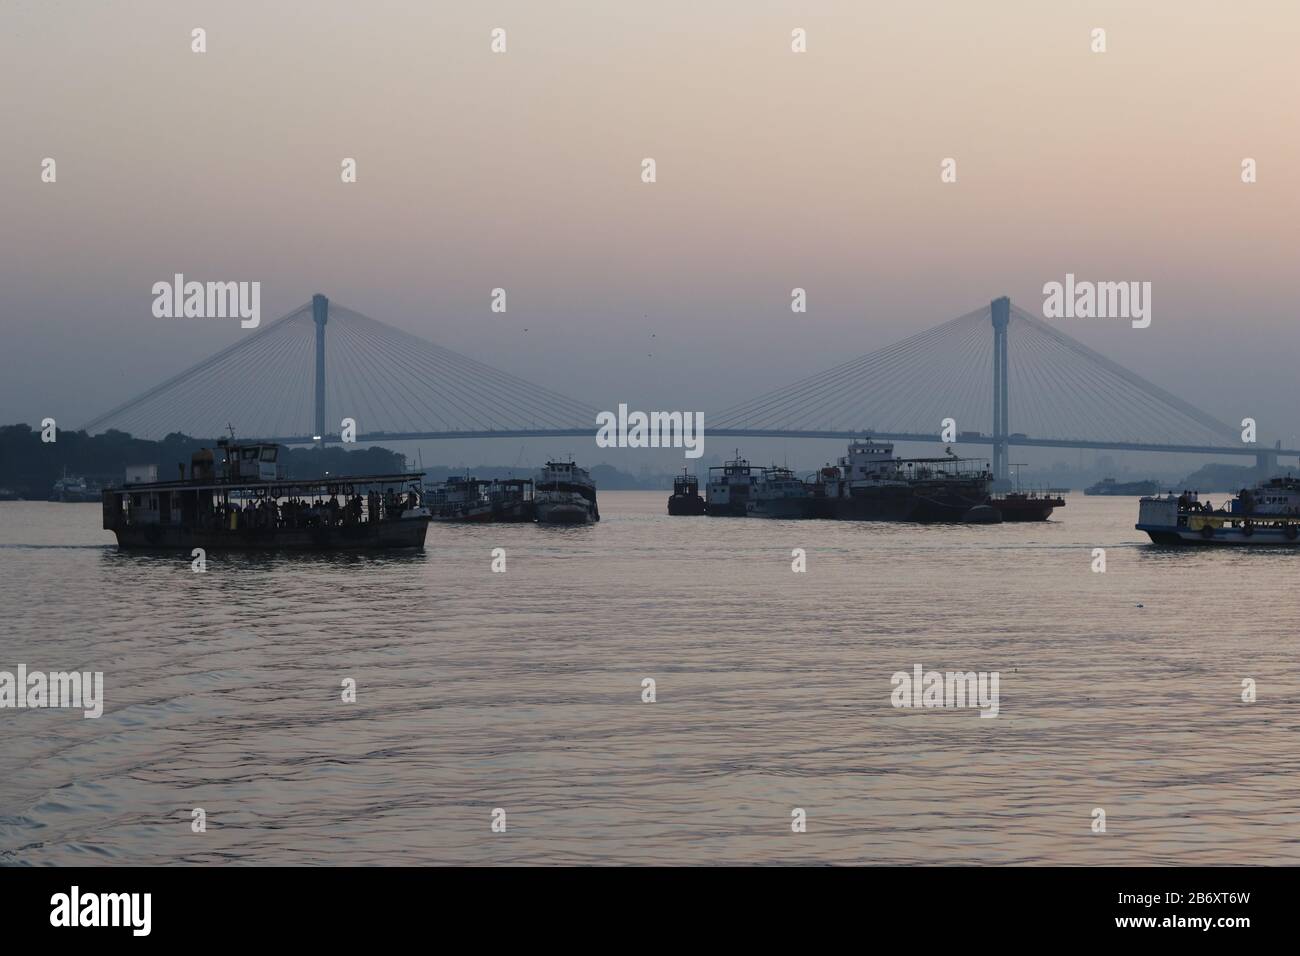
(775, 170)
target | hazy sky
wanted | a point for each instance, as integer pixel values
(775, 170)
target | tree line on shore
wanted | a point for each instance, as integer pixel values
(30, 466)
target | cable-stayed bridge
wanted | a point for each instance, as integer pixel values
(1002, 375)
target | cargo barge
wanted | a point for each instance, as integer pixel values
(868, 484)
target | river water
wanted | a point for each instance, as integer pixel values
(475, 690)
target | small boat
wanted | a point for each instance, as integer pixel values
(565, 494)
(1267, 514)
(245, 502)
(686, 498)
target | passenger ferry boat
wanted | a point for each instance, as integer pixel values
(686, 498)
(1268, 514)
(244, 502)
(779, 493)
(482, 500)
(871, 484)
(565, 494)
(729, 487)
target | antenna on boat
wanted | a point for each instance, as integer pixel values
(1018, 465)
(230, 428)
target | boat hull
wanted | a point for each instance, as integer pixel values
(563, 513)
(686, 505)
(404, 533)
(783, 508)
(1026, 509)
(1260, 536)
(899, 505)
(74, 497)
(517, 512)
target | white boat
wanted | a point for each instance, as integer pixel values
(729, 487)
(1268, 515)
(563, 493)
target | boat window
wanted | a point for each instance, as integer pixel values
(249, 454)
(268, 454)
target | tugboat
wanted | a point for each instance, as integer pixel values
(479, 500)
(729, 488)
(1268, 514)
(1109, 486)
(870, 484)
(244, 502)
(686, 498)
(565, 494)
(778, 493)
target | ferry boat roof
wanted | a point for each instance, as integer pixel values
(289, 484)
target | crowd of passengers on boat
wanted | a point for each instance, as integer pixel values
(300, 513)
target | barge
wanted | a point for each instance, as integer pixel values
(868, 484)
(871, 484)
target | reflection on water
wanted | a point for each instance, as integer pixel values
(522, 690)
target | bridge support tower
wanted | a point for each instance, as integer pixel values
(320, 311)
(1001, 309)
(1266, 462)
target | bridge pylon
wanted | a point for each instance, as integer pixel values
(1001, 313)
(1266, 465)
(320, 313)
